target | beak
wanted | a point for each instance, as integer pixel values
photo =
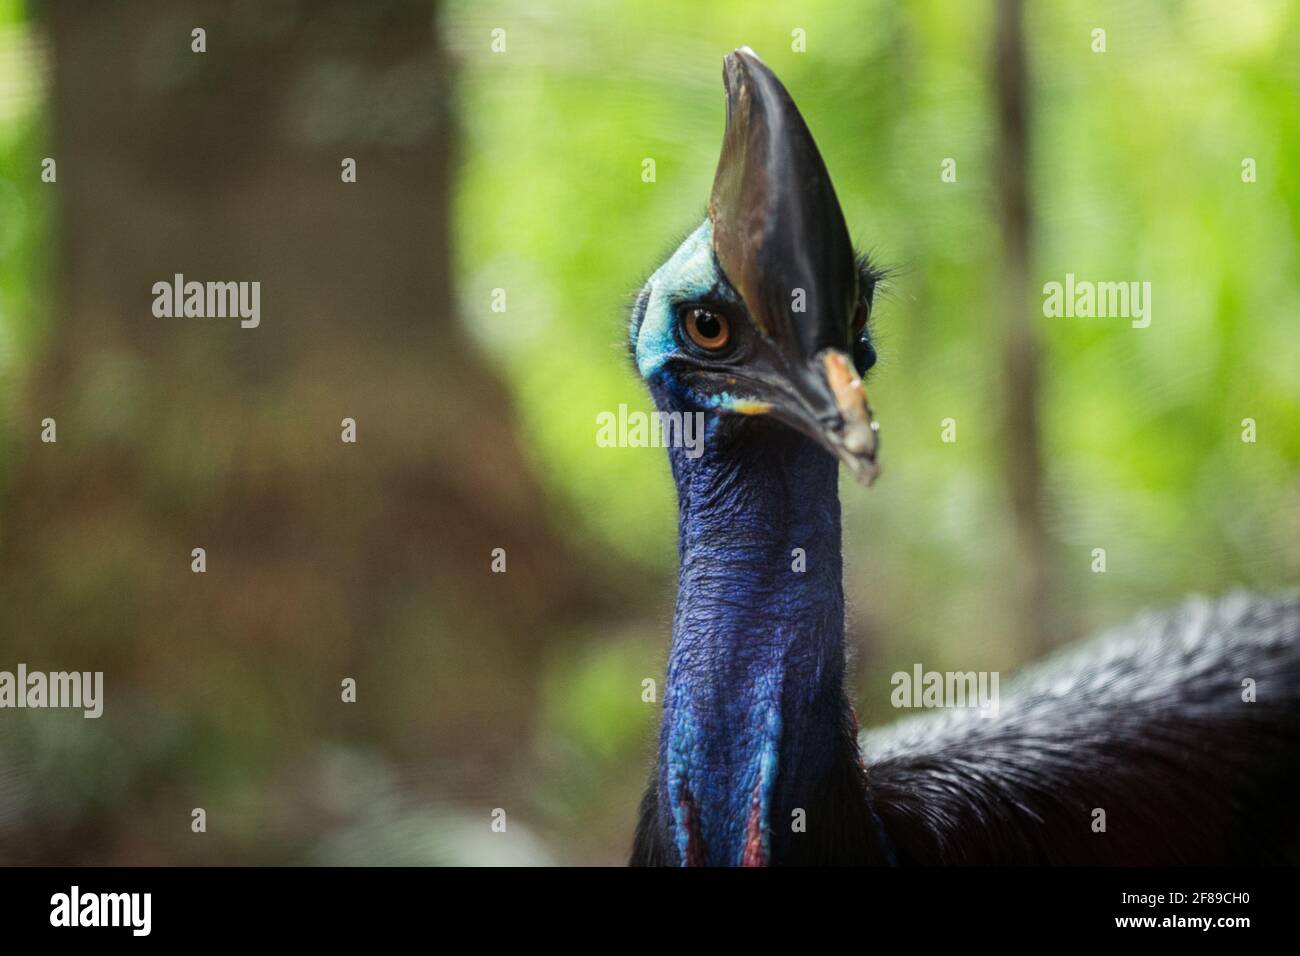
(780, 237)
(826, 400)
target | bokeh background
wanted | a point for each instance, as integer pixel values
(521, 170)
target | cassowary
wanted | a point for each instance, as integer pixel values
(759, 321)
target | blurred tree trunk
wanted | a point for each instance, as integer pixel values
(325, 560)
(1031, 562)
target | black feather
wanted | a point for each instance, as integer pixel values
(1146, 723)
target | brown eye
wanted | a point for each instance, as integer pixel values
(708, 330)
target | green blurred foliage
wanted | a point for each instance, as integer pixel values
(27, 206)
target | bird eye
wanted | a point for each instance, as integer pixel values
(708, 330)
(860, 319)
(864, 353)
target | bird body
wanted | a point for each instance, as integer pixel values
(1177, 740)
(1182, 727)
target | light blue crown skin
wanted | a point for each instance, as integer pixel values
(690, 273)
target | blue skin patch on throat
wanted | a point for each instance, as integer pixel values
(741, 786)
(754, 695)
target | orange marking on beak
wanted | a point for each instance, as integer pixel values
(856, 438)
(850, 394)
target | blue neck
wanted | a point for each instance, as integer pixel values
(754, 708)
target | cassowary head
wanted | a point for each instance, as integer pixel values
(762, 311)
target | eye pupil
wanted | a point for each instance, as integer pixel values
(706, 329)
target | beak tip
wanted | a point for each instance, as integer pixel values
(861, 461)
(865, 470)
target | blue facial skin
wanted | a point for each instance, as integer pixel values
(690, 274)
(754, 697)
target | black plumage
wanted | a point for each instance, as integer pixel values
(1147, 723)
